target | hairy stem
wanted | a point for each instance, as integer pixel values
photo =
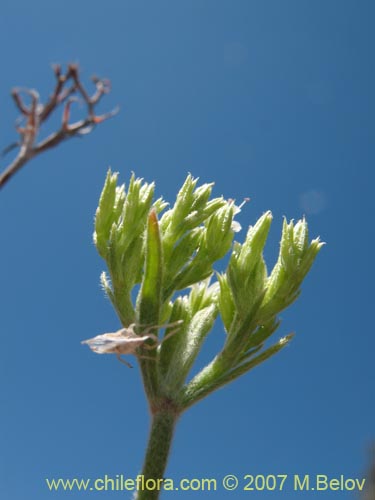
(159, 444)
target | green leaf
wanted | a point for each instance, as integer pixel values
(295, 259)
(226, 303)
(197, 389)
(149, 301)
(105, 214)
(219, 234)
(188, 347)
(180, 312)
(181, 256)
(247, 270)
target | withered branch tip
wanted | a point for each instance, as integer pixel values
(68, 88)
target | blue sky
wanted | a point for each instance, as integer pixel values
(271, 100)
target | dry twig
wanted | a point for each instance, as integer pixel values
(67, 89)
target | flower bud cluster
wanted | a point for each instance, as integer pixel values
(169, 258)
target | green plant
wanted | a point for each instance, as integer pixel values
(164, 253)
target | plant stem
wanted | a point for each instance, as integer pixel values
(159, 444)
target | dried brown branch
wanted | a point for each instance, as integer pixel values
(68, 88)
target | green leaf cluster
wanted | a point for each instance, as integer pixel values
(168, 256)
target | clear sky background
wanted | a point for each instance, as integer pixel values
(271, 100)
